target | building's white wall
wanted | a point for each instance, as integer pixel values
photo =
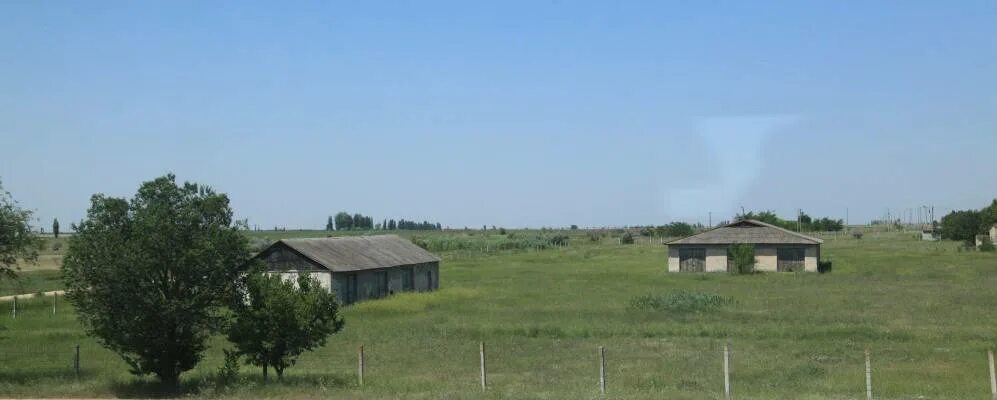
(673, 259)
(766, 258)
(810, 260)
(716, 259)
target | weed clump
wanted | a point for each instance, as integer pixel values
(683, 302)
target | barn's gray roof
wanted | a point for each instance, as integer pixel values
(748, 231)
(344, 254)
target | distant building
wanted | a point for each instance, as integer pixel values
(776, 249)
(357, 268)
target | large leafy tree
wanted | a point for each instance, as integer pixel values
(17, 240)
(282, 319)
(961, 225)
(149, 276)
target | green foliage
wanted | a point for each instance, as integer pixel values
(283, 319)
(681, 302)
(742, 258)
(594, 236)
(627, 238)
(17, 240)
(962, 226)
(330, 225)
(676, 229)
(857, 234)
(986, 244)
(501, 231)
(806, 223)
(229, 371)
(344, 221)
(574, 227)
(149, 276)
(55, 227)
(824, 266)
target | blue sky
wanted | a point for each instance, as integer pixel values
(510, 113)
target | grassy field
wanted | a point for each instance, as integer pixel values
(924, 309)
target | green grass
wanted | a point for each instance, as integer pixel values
(29, 282)
(925, 310)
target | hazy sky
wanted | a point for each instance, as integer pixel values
(511, 114)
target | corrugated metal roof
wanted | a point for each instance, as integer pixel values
(748, 231)
(360, 252)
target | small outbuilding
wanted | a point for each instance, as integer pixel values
(357, 268)
(776, 249)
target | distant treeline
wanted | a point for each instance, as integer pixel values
(805, 223)
(343, 221)
(965, 225)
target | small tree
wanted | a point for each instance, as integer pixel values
(742, 258)
(148, 277)
(281, 320)
(627, 238)
(329, 225)
(17, 240)
(55, 227)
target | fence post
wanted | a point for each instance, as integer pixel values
(14, 312)
(602, 370)
(993, 374)
(360, 365)
(76, 362)
(726, 372)
(868, 375)
(55, 299)
(484, 378)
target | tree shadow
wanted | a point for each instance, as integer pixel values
(151, 388)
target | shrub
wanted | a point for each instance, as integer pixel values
(574, 227)
(647, 231)
(627, 238)
(986, 244)
(742, 258)
(682, 301)
(824, 266)
(558, 240)
(857, 235)
(229, 371)
(594, 236)
(501, 231)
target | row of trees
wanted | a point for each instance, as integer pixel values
(154, 277)
(343, 221)
(966, 224)
(674, 229)
(805, 223)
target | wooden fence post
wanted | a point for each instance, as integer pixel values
(484, 378)
(868, 375)
(602, 370)
(360, 365)
(76, 362)
(55, 299)
(993, 374)
(726, 372)
(14, 312)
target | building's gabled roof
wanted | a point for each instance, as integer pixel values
(344, 254)
(748, 231)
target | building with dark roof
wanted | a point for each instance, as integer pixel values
(356, 268)
(776, 249)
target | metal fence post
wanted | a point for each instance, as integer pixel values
(76, 362)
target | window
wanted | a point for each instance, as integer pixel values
(790, 259)
(692, 260)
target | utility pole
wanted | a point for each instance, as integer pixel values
(711, 219)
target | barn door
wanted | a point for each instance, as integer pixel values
(790, 259)
(351, 288)
(692, 260)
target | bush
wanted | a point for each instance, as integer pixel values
(594, 236)
(501, 231)
(824, 266)
(857, 235)
(647, 231)
(229, 371)
(574, 227)
(627, 238)
(681, 301)
(742, 258)
(986, 244)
